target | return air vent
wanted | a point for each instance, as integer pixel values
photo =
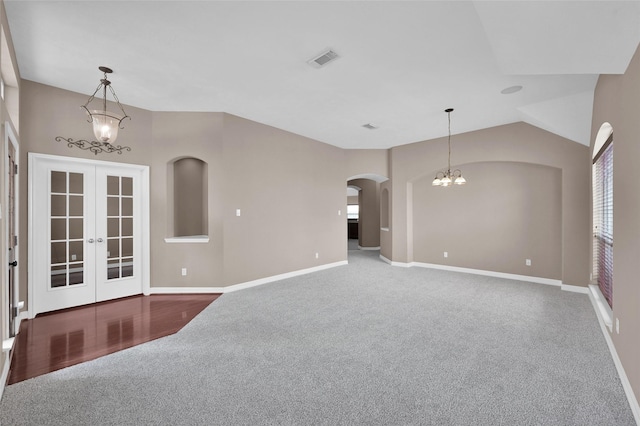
(323, 59)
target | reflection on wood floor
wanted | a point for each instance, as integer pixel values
(60, 339)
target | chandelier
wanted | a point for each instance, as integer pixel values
(105, 123)
(448, 177)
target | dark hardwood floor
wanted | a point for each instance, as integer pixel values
(60, 339)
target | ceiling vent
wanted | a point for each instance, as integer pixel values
(370, 126)
(323, 59)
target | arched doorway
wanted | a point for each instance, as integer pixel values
(365, 211)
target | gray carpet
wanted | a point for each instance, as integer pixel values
(365, 343)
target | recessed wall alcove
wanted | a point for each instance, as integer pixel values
(187, 188)
(508, 212)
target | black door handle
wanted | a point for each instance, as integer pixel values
(14, 263)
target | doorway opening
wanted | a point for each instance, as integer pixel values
(363, 212)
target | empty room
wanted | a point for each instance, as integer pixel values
(320, 212)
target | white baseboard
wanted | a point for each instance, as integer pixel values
(394, 263)
(575, 288)
(5, 372)
(626, 385)
(369, 248)
(539, 280)
(242, 286)
(185, 290)
(601, 305)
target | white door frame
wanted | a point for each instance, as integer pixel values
(10, 138)
(145, 265)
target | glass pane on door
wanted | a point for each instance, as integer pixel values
(120, 219)
(66, 237)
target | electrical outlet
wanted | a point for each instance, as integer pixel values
(527, 262)
(446, 254)
(617, 325)
(184, 272)
(238, 212)
(73, 257)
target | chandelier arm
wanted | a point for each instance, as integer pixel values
(121, 120)
(90, 119)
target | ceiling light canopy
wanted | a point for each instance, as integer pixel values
(448, 177)
(511, 89)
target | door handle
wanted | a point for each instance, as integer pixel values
(14, 263)
(90, 240)
(100, 240)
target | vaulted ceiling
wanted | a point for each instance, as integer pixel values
(400, 63)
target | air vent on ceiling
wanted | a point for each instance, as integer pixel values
(323, 59)
(370, 126)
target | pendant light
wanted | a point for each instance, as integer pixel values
(105, 123)
(448, 177)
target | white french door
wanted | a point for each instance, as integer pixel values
(87, 231)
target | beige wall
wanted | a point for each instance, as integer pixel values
(521, 143)
(178, 135)
(289, 188)
(617, 101)
(507, 213)
(366, 162)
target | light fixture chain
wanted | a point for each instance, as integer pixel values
(449, 164)
(115, 97)
(92, 97)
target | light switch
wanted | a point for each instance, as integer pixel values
(237, 212)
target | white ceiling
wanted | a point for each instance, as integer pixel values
(401, 63)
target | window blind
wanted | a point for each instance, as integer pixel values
(603, 220)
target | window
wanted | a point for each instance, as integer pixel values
(353, 211)
(603, 219)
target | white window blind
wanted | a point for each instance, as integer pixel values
(603, 220)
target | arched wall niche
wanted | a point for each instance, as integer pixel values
(187, 186)
(508, 212)
(384, 209)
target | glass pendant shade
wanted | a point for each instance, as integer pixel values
(446, 181)
(460, 180)
(105, 125)
(436, 182)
